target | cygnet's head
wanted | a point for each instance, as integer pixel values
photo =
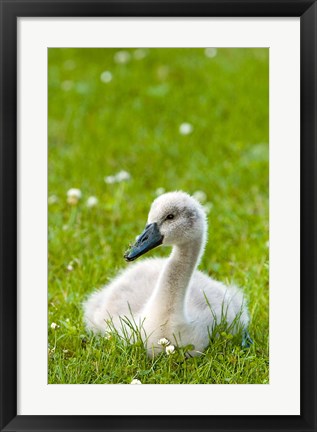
(175, 218)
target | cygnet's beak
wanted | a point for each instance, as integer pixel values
(149, 239)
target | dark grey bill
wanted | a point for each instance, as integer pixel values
(149, 239)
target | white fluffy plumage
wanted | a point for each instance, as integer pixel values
(169, 298)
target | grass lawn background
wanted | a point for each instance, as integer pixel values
(129, 119)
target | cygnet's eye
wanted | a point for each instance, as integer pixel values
(169, 217)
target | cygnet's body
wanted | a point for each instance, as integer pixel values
(168, 298)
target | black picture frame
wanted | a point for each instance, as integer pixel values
(10, 11)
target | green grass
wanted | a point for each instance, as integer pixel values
(132, 123)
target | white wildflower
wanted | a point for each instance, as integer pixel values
(110, 179)
(208, 207)
(122, 176)
(73, 196)
(74, 193)
(135, 381)
(159, 191)
(170, 349)
(74, 263)
(186, 129)
(163, 342)
(92, 201)
(122, 57)
(118, 178)
(139, 54)
(65, 227)
(200, 196)
(210, 52)
(53, 199)
(106, 77)
(54, 326)
(67, 85)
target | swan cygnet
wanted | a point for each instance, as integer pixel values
(169, 298)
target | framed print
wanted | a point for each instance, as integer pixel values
(208, 111)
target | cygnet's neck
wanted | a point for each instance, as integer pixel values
(169, 295)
